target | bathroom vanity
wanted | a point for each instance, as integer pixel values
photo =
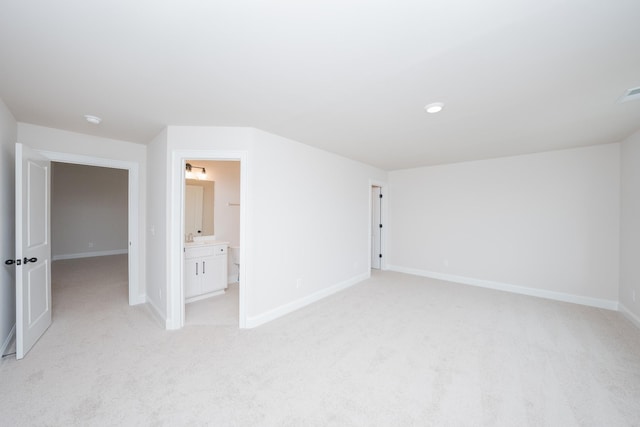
(205, 269)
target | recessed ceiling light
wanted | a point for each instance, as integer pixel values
(434, 107)
(93, 119)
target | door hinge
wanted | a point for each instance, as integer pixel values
(380, 225)
(380, 256)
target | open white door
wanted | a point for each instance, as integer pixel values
(33, 248)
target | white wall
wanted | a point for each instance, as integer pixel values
(89, 210)
(630, 228)
(547, 222)
(308, 217)
(8, 138)
(56, 140)
(310, 214)
(226, 175)
(157, 225)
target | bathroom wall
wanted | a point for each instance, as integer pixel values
(226, 175)
(89, 211)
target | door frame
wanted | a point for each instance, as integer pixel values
(175, 292)
(136, 296)
(385, 221)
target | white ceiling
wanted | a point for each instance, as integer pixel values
(350, 76)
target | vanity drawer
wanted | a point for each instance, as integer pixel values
(199, 252)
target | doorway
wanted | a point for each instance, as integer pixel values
(212, 242)
(133, 251)
(89, 241)
(176, 294)
(33, 218)
(377, 226)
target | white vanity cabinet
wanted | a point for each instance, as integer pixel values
(205, 270)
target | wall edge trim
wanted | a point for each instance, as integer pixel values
(290, 307)
(630, 315)
(157, 315)
(516, 289)
(89, 254)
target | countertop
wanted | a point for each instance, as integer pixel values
(205, 243)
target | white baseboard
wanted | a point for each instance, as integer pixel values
(270, 315)
(90, 254)
(540, 293)
(630, 315)
(157, 314)
(7, 341)
(205, 296)
(140, 299)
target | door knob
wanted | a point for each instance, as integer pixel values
(28, 260)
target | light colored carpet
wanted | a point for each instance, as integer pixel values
(221, 310)
(395, 350)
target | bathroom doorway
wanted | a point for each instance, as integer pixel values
(237, 207)
(212, 242)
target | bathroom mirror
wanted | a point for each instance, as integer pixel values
(199, 202)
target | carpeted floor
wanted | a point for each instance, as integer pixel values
(221, 310)
(395, 350)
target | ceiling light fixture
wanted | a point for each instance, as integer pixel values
(94, 120)
(188, 173)
(434, 107)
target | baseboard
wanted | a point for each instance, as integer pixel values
(205, 296)
(140, 299)
(89, 254)
(540, 293)
(8, 340)
(157, 314)
(270, 315)
(630, 315)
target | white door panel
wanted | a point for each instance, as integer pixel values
(33, 248)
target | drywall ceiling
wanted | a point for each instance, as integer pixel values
(351, 77)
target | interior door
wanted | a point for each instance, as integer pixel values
(33, 248)
(376, 227)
